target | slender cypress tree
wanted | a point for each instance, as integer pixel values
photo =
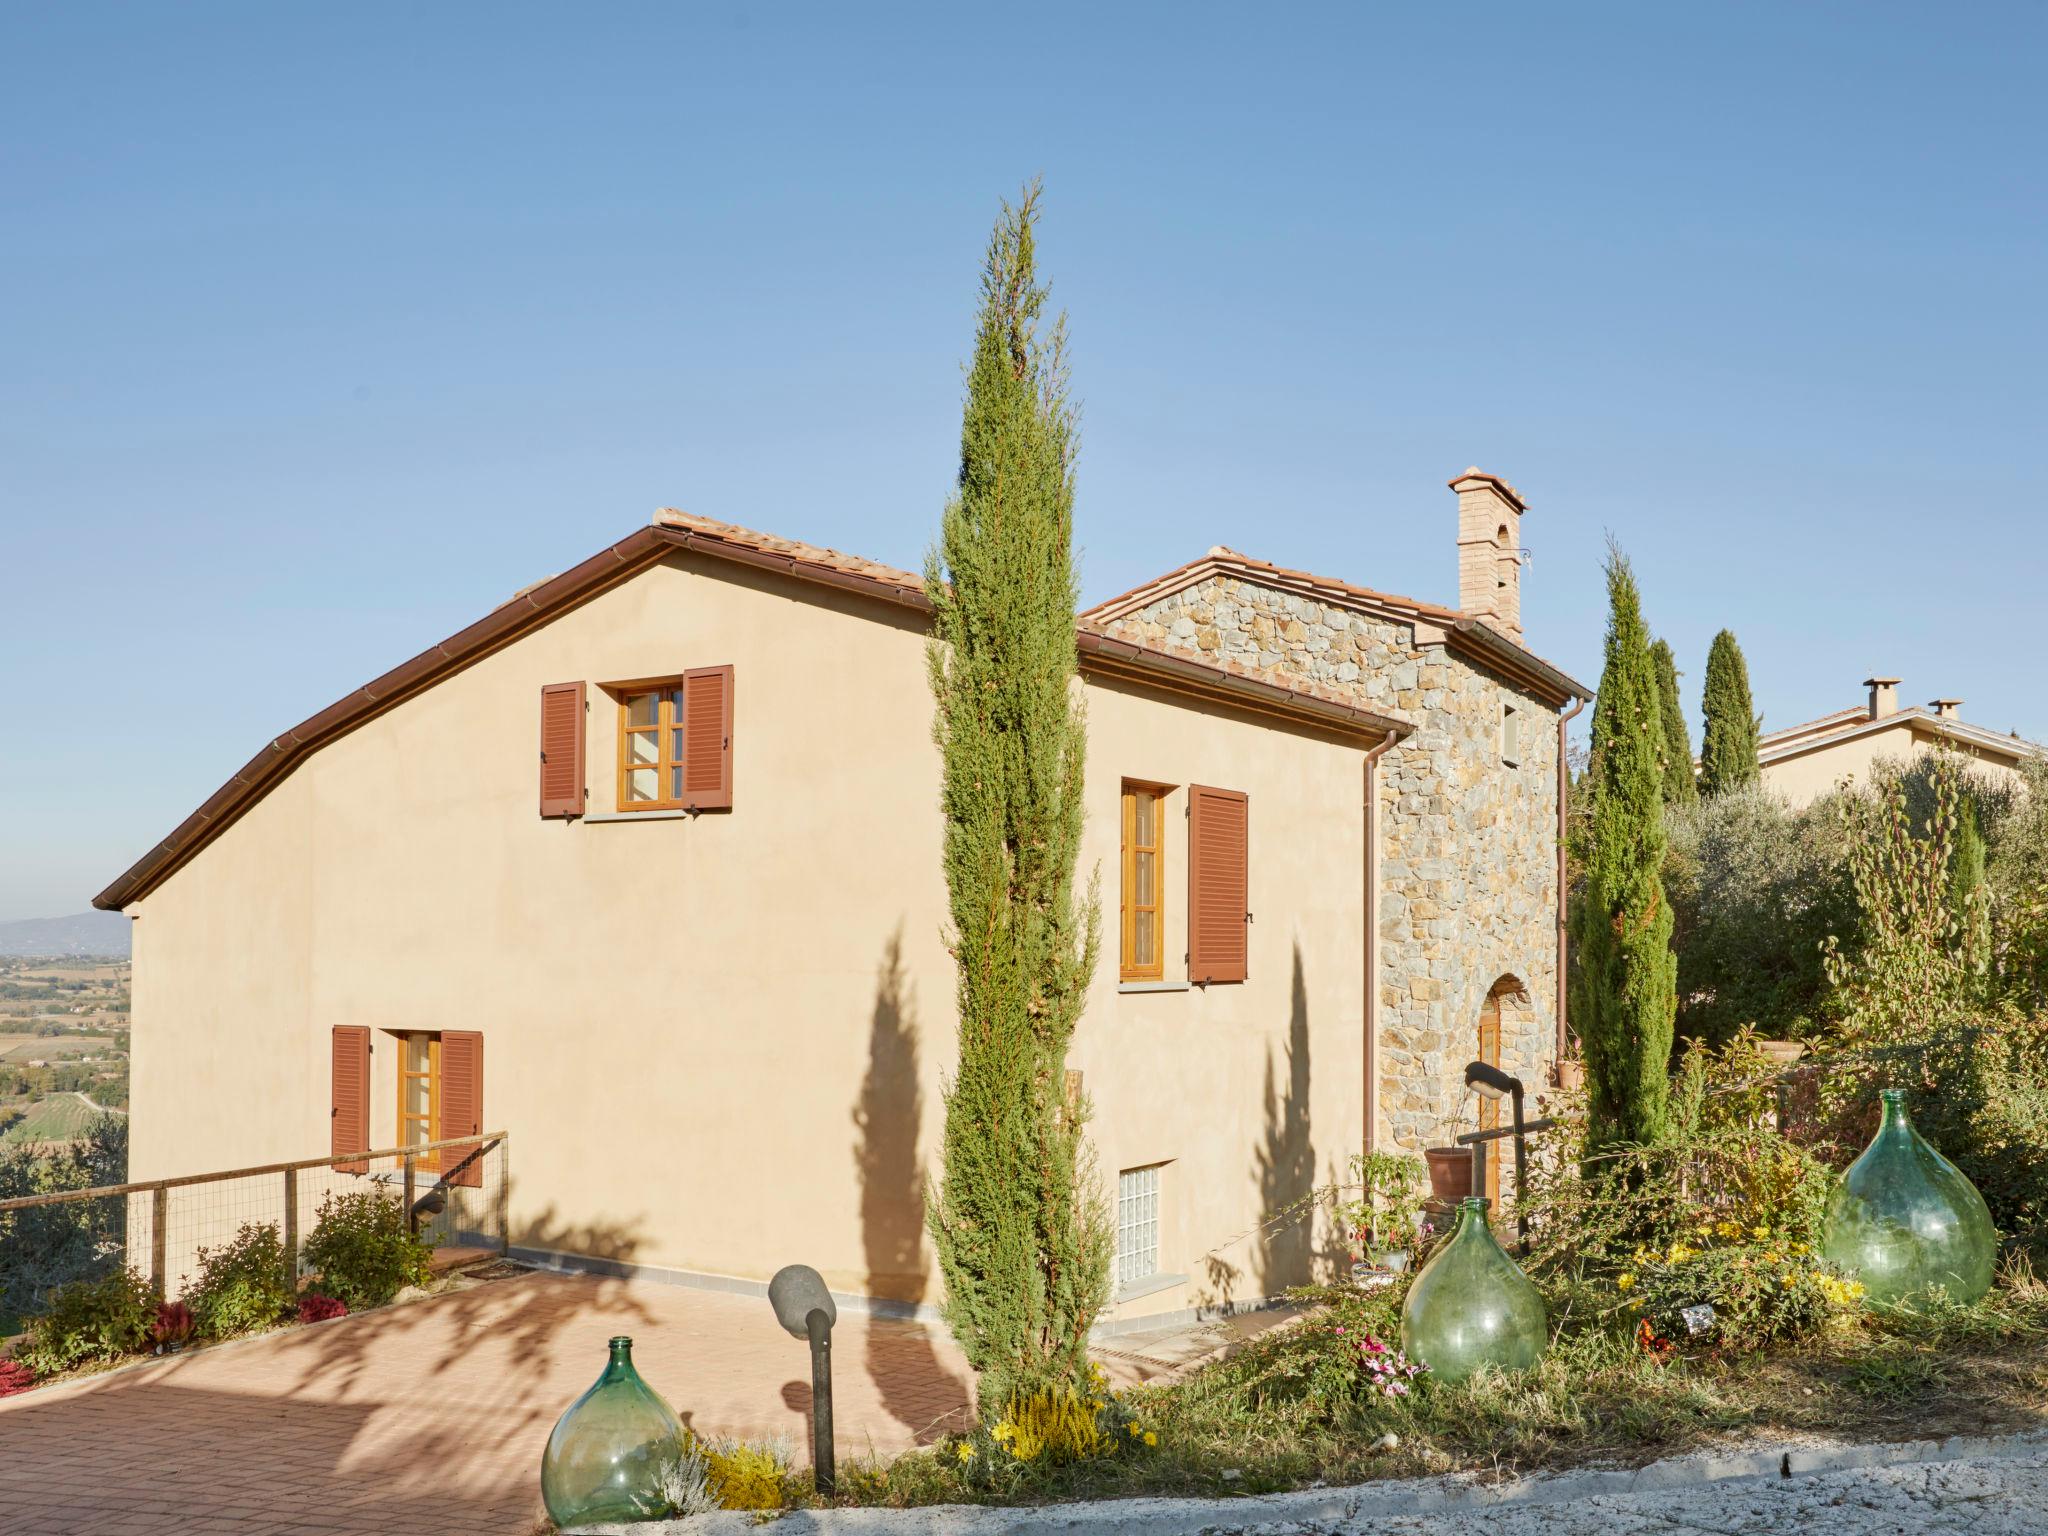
(1020, 1227)
(1728, 746)
(1624, 981)
(1679, 787)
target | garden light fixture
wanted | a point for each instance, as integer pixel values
(805, 1308)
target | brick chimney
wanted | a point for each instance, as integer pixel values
(1884, 696)
(1490, 550)
(1946, 709)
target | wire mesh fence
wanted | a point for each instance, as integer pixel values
(453, 1193)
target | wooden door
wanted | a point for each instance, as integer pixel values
(1489, 1109)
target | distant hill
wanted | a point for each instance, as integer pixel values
(87, 933)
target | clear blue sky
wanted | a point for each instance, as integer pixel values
(324, 329)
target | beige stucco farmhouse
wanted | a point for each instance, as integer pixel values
(647, 860)
(1804, 762)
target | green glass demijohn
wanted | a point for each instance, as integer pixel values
(610, 1454)
(1472, 1306)
(1904, 1220)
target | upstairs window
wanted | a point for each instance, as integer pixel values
(675, 742)
(1144, 879)
(651, 749)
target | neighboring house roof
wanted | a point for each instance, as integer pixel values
(670, 532)
(1853, 724)
(1472, 637)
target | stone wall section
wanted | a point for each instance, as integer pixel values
(1468, 842)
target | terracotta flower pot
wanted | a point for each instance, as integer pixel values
(1450, 1173)
(1783, 1052)
(1570, 1074)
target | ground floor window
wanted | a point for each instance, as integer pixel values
(1137, 1224)
(419, 1094)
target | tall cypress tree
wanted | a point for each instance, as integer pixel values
(1624, 980)
(1679, 787)
(1021, 1230)
(1728, 746)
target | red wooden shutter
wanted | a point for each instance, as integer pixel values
(462, 1101)
(561, 749)
(1219, 841)
(707, 738)
(350, 1117)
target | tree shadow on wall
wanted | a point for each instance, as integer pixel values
(1286, 1160)
(915, 1389)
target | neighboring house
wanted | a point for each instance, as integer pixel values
(1804, 762)
(644, 868)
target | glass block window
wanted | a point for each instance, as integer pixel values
(1137, 1224)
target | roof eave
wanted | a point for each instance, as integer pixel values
(1525, 667)
(1105, 653)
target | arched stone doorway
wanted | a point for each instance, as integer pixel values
(1500, 1019)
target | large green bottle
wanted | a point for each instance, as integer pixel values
(1903, 1219)
(610, 1454)
(1472, 1306)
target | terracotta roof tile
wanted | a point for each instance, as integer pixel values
(793, 549)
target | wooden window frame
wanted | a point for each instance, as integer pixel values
(430, 1125)
(1127, 913)
(667, 728)
(671, 729)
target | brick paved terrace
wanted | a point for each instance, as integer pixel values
(431, 1416)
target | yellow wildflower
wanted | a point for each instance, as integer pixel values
(1759, 1233)
(966, 1452)
(1150, 1438)
(1624, 1282)
(1772, 1257)
(1728, 1229)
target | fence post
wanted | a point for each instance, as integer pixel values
(412, 1221)
(159, 1219)
(504, 1184)
(291, 1228)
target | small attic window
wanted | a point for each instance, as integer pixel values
(1510, 736)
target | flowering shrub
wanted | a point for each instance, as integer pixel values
(1053, 1427)
(15, 1377)
(1387, 1215)
(1336, 1358)
(315, 1308)
(744, 1476)
(1761, 1289)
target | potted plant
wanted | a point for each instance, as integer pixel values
(1450, 1174)
(1385, 1218)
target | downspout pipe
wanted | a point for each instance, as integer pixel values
(1564, 795)
(1372, 933)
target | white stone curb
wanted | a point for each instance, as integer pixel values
(1370, 1501)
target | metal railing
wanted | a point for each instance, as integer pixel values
(176, 1220)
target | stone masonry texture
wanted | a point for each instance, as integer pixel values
(1468, 841)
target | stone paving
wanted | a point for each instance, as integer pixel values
(431, 1416)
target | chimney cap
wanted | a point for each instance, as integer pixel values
(1458, 482)
(1880, 682)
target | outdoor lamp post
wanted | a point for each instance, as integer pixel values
(1496, 1084)
(804, 1307)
